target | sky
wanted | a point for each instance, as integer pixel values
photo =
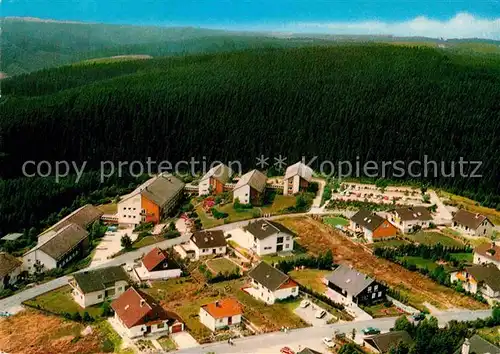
(431, 18)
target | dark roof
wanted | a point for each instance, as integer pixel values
(262, 228)
(486, 249)
(99, 279)
(270, 277)
(349, 279)
(64, 241)
(8, 263)
(479, 345)
(471, 220)
(367, 219)
(209, 239)
(82, 217)
(488, 274)
(308, 351)
(154, 257)
(255, 179)
(414, 213)
(163, 189)
(135, 308)
(384, 342)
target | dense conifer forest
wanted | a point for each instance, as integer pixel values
(378, 102)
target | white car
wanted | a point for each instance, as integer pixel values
(304, 303)
(329, 342)
(320, 313)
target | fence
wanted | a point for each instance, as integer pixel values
(401, 306)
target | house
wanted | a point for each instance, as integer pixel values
(12, 237)
(151, 201)
(382, 343)
(267, 237)
(250, 188)
(472, 223)
(354, 287)
(373, 227)
(138, 314)
(63, 246)
(221, 313)
(477, 345)
(92, 287)
(484, 279)
(206, 243)
(487, 253)
(10, 268)
(82, 217)
(297, 178)
(409, 219)
(158, 264)
(270, 284)
(214, 180)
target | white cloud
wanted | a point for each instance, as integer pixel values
(462, 25)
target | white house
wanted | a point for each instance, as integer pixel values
(472, 223)
(407, 219)
(214, 180)
(487, 253)
(10, 268)
(221, 314)
(373, 227)
(206, 243)
(267, 237)
(62, 247)
(484, 279)
(138, 314)
(250, 188)
(158, 264)
(297, 178)
(270, 284)
(92, 287)
(151, 201)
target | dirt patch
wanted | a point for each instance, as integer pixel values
(317, 237)
(31, 332)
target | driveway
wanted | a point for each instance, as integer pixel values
(308, 314)
(184, 340)
(109, 245)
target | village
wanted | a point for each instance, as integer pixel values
(218, 260)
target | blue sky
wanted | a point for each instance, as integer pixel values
(458, 18)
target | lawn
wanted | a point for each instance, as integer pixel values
(432, 238)
(221, 265)
(167, 343)
(389, 243)
(110, 208)
(422, 263)
(492, 334)
(233, 215)
(334, 221)
(146, 241)
(59, 301)
(280, 203)
(380, 310)
(312, 278)
(463, 257)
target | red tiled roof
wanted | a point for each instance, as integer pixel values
(223, 308)
(288, 284)
(135, 308)
(153, 258)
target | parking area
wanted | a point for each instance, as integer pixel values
(311, 313)
(110, 244)
(184, 340)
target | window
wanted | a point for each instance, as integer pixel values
(279, 240)
(287, 245)
(220, 248)
(99, 296)
(160, 325)
(373, 295)
(369, 289)
(375, 288)
(294, 290)
(379, 294)
(288, 238)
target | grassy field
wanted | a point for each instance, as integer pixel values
(380, 310)
(312, 278)
(318, 237)
(420, 262)
(465, 257)
(433, 238)
(389, 243)
(60, 301)
(492, 335)
(110, 208)
(334, 221)
(280, 203)
(221, 265)
(146, 241)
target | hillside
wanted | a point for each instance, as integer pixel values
(374, 102)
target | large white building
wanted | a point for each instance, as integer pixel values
(151, 201)
(250, 188)
(221, 314)
(270, 284)
(10, 268)
(214, 180)
(409, 219)
(92, 287)
(266, 237)
(206, 243)
(297, 178)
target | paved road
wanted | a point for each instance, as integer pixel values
(15, 301)
(311, 337)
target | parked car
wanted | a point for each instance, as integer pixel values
(418, 316)
(286, 350)
(370, 331)
(305, 303)
(329, 342)
(320, 313)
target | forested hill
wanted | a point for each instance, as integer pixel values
(378, 102)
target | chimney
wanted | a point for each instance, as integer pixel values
(217, 303)
(143, 302)
(466, 347)
(477, 215)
